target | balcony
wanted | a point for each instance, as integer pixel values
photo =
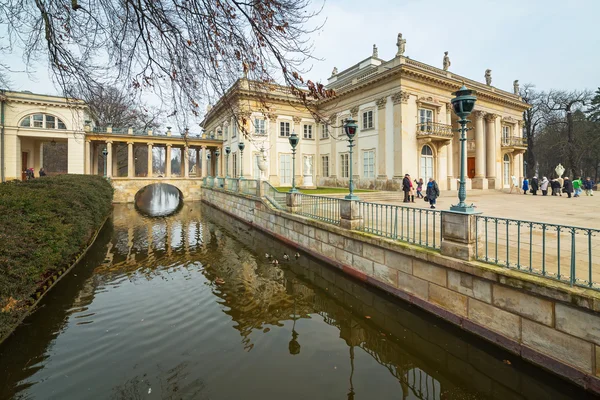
(432, 131)
(515, 143)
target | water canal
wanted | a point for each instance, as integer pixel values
(189, 307)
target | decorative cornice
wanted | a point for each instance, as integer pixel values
(381, 102)
(354, 111)
(297, 120)
(400, 96)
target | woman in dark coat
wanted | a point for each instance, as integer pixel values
(535, 185)
(406, 188)
(568, 186)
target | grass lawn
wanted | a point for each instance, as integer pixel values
(323, 190)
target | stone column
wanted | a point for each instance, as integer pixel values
(186, 162)
(490, 153)
(397, 99)
(109, 158)
(458, 235)
(115, 164)
(168, 161)
(130, 161)
(95, 150)
(87, 159)
(204, 161)
(150, 172)
(452, 184)
(198, 169)
(479, 182)
(381, 161)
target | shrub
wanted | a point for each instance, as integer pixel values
(44, 225)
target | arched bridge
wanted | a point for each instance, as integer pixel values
(126, 188)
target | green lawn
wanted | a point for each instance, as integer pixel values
(323, 190)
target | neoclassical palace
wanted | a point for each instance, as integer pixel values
(406, 126)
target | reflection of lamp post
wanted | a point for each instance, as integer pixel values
(294, 139)
(351, 392)
(463, 105)
(217, 154)
(227, 151)
(294, 345)
(350, 128)
(105, 153)
(241, 146)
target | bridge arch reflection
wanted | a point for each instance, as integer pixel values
(158, 200)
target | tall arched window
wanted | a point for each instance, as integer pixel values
(45, 121)
(426, 163)
(506, 169)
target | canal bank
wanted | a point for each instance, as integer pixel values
(182, 306)
(545, 322)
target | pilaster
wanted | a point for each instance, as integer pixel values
(490, 142)
(381, 159)
(398, 99)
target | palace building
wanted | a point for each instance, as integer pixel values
(406, 126)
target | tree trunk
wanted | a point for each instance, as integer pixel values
(571, 150)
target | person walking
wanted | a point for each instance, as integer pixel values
(577, 184)
(535, 185)
(588, 185)
(544, 186)
(406, 187)
(419, 188)
(432, 192)
(568, 186)
(525, 185)
(555, 186)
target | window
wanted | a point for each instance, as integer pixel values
(285, 169)
(308, 132)
(367, 122)
(42, 121)
(234, 165)
(259, 127)
(369, 164)
(234, 130)
(425, 120)
(505, 134)
(284, 129)
(426, 163)
(324, 131)
(325, 166)
(345, 166)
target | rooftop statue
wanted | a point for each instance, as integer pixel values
(335, 71)
(516, 87)
(401, 43)
(446, 61)
(488, 77)
(375, 51)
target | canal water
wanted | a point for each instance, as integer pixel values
(189, 307)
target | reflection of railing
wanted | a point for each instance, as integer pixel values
(326, 209)
(514, 141)
(555, 251)
(413, 225)
(434, 129)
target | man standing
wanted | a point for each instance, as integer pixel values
(568, 186)
(406, 188)
(588, 185)
(535, 185)
(433, 192)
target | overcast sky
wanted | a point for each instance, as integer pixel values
(551, 43)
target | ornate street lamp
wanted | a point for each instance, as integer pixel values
(524, 169)
(241, 146)
(217, 154)
(105, 153)
(294, 139)
(350, 127)
(227, 151)
(463, 105)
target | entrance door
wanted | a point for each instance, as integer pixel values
(23, 165)
(285, 169)
(471, 167)
(426, 163)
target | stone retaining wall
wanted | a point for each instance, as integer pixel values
(545, 322)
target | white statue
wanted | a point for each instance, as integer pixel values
(560, 170)
(401, 43)
(334, 72)
(488, 77)
(516, 87)
(375, 51)
(307, 165)
(446, 61)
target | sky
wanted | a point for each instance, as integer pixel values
(550, 43)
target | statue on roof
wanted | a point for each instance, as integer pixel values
(488, 77)
(334, 72)
(401, 43)
(375, 51)
(446, 61)
(516, 87)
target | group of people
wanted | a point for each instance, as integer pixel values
(29, 174)
(432, 191)
(568, 186)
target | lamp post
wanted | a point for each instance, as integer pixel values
(241, 146)
(105, 153)
(217, 154)
(350, 128)
(524, 169)
(227, 151)
(294, 139)
(463, 105)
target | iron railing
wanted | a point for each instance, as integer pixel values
(275, 197)
(514, 141)
(558, 252)
(434, 129)
(414, 225)
(326, 209)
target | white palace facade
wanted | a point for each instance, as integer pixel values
(406, 126)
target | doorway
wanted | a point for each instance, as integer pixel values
(23, 165)
(471, 167)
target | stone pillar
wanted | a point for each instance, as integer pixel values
(198, 169)
(350, 217)
(150, 172)
(204, 161)
(109, 158)
(452, 184)
(130, 161)
(479, 181)
(95, 157)
(168, 161)
(490, 153)
(292, 201)
(458, 235)
(87, 160)
(115, 160)
(186, 162)
(381, 150)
